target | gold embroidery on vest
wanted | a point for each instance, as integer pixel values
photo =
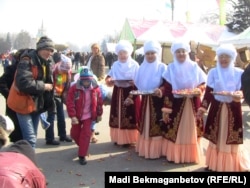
(233, 135)
(125, 121)
(213, 129)
(155, 129)
(172, 132)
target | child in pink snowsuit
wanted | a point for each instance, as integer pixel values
(84, 105)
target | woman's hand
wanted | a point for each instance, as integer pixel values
(197, 91)
(109, 82)
(237, 96)
(158, 93)
(128, 101)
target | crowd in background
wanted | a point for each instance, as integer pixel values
(147, 110)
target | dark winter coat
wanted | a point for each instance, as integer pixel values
(35, 87)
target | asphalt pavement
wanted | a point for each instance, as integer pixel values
(62, 170)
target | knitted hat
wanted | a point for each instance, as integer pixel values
(6, 127)
(45, 43)
(86, 74)
(65, 63)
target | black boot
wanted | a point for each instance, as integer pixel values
(82, 161)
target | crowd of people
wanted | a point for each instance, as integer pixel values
(146, 110)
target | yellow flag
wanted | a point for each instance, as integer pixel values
(222, 11)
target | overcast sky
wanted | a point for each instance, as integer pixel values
(85, 21)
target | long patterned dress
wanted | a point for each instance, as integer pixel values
(124, 119)
(224, 130)
(150, 140)
(183, 132)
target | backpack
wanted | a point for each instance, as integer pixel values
(7, 77)
(16, 100)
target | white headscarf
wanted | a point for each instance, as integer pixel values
(149, 76)
(153, 46)
(124, 70)
(225, 79)
(124, 45)
(183, 75)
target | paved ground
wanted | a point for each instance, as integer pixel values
(61, 167)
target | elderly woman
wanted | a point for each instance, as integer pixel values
(124, 115)
(185, 82)
(148, 80)
(224, 127)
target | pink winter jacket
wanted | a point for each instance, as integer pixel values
(76, 100)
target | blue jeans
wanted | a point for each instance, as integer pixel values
(29, 124)
(61, 123)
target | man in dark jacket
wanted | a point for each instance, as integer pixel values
(40, 88)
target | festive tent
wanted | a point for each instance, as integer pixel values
(198, 34)
(158, 32)
(240, 40)
(138, 31)
(133, 28)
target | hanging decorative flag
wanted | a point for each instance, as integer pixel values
(222, 11)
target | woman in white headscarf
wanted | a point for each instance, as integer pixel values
(181, 130)
(224, 127)
(124, 117)
(149, 79)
